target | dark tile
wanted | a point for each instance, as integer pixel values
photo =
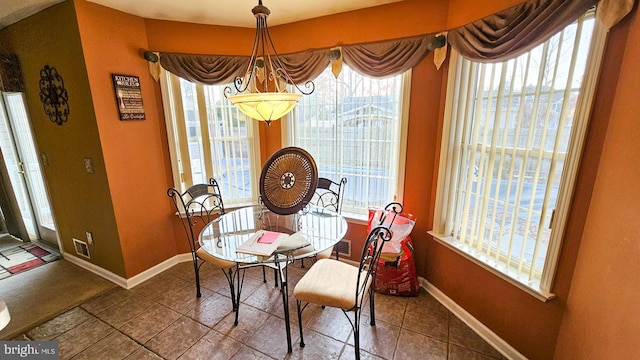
(185, 299)
(459, 353)
(412, 345)
(256, 273)
(214, 279)
(317, 346)
(425, 299)
(114, 346)
(213, 346)
(250, 320)
(247, 353)
(213, 309)
(462, 335)
(430, 321)
(149, 323)
(271, 338)
(103, 302)
(176, 338)
(330, 322)
(143, 354)
(265, 297)
(389, 309)
(160, 285)
(379, 340)
(349, 353)
(118, 315)
(183, 270)
(60, 324)
(81, 337)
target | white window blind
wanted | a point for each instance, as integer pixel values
(355, 127)
(209, 137)
(511, 127)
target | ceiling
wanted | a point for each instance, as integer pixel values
(201, 11)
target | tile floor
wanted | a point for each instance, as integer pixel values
(163, 319)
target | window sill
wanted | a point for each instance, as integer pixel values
(353, 218)
(531, 289)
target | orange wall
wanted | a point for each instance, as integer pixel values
(602, 317)
(134, 153)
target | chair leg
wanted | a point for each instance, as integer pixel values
(231, 280)
(301, 263)
(356, 333)
(300, 322)
(235, 287)
(275, 277)
(264, 275)
(372, 307)
(196, 270)
(239, 289)
(335, 248)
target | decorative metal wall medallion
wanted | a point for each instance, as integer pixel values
(53, 95)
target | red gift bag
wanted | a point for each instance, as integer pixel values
(396, 269)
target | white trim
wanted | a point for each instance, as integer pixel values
(133, 281)
(574, 155)
(536, 292)
(479, 328)
(169, 121)
(404, 131)
(106, 274)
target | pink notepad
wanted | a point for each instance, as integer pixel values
(268, 237)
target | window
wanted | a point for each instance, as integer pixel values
(209, 137)
(355, 127)
(512, 140)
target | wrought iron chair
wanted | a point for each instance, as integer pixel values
(329, 196)
(288, 180)
(333, 283)
(287, 183)
(201, 203)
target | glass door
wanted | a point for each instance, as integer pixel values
(21, 161)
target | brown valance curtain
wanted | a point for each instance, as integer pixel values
(205, 69)
(516, 30)
(379, 59)
(387, 58)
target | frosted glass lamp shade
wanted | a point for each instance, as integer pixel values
(267, 106)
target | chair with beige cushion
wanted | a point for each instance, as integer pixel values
(333, 283)
(196, 207)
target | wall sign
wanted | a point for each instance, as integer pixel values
(128, 97)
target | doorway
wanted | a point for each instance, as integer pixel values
(24, 201)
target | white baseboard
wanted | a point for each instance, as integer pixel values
(132, 281)
(483, 331)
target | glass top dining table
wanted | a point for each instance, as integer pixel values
(316, 229)
(320, 229)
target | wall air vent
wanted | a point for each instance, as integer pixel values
(81, 248)
(344, 247)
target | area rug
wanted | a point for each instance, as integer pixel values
(24, 257)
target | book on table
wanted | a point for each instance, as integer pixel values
(262, 243)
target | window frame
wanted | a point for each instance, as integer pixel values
(405, 101)
(543, 290)
(176, 129)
